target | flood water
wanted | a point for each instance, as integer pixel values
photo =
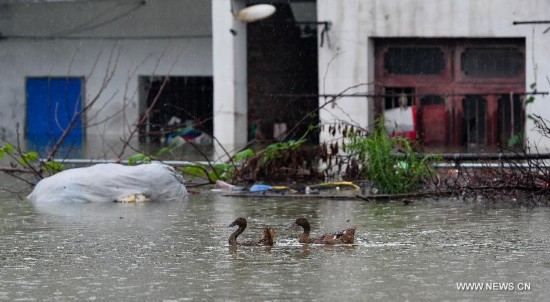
(179, 252)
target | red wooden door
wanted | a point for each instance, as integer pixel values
(434, 125)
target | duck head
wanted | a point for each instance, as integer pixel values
(241, 222)
(300, 222)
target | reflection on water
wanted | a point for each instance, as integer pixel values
(179, 251)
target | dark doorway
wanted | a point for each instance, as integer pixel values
(282, 68)
(182, 102)
(475, 122)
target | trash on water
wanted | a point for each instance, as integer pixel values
(112, 182)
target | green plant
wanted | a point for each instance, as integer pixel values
(390, 172)
(217, 171)
(6, 149)
(274, 150)
(531, 98)
(30, 161)
(147, 158)
(282, 161)
(247, 165)
(515, 140)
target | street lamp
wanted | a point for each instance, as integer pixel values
(255, 13)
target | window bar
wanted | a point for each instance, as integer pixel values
(512, 126)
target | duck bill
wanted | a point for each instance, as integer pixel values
(234, 223)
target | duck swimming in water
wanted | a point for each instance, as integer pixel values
(267, 239)
(346, 236)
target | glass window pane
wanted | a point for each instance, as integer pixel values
(414, 60)
(474, 107)
(492, 62)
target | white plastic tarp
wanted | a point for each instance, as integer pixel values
(111, 182)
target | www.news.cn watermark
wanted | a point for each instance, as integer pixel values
(493, 286)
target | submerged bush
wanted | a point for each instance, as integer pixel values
(390, 162)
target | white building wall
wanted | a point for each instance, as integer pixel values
(158, 38)
(343, 63)
(230, 76)
(349, 59)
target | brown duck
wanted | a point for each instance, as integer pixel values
(267, 239)
(346, 236)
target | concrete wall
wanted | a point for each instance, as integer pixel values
(349, 59)
(90, 38)
(230, 77)
(343, 63)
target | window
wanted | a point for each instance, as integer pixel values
(510, 117)
(414, 60)
(492, 62)
(183, 103)
(465, 92)
(395, 97)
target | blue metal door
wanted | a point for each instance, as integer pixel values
(51, 105)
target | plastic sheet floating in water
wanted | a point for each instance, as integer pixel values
(111, 182)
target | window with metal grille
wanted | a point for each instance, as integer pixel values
(395, 97)
(492, 62)
(414, 60)
(180, 102)
(510, 117)
(461, 87)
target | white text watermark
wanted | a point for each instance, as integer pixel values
(493, 286)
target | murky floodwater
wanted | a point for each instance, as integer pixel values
(179, 252)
